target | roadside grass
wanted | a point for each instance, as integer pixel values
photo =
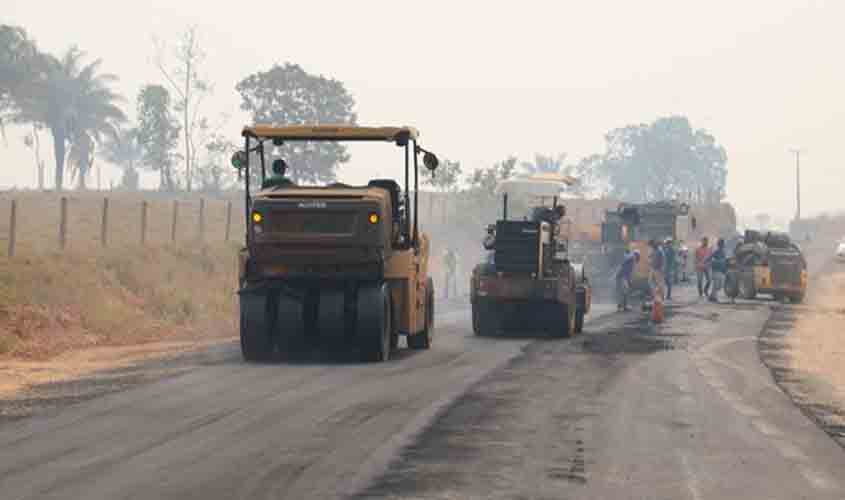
(52, 301)
(816, 346)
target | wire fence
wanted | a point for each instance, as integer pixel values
(44, 222)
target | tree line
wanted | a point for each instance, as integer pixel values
(71, 98)
(662, 160)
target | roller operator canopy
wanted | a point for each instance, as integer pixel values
(548, 184)
(331, 133)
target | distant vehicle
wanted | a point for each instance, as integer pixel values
(632, 226)
(769, 263)
(530, 283)
(840, 251)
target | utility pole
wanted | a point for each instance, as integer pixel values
(797, 152)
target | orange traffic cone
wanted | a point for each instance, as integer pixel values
(657, 312)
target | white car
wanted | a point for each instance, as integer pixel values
(840, 251)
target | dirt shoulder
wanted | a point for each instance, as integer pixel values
(803, 346)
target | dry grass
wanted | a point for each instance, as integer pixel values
(817, 343)
(54, 301)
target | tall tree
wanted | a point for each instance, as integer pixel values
(124, 150)
(484, 181)
(214, 173)
(190, 88)
(446, 178)
(287, 95)
(158, 133)
(32, 141)
(590, 180)
(663, 160)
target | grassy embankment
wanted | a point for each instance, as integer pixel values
(53, 300)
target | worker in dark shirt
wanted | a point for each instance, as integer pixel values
(623, 279)
(718, 262)
(670, 264)
(278, 179)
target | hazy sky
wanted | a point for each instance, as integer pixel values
(484, 80)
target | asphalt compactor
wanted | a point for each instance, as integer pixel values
(768, 263)
(336, 265)
(529, 284)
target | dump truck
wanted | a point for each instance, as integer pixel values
(528, 282)
(633, 225)
(336, 264)
(768, 263)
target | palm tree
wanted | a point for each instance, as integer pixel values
(77, 104)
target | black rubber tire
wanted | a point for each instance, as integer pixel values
(257, 320)
(746, 287)
(374, 322)
(394, 340)
(424, 339)
(579, 321)
(488, 317)
(732, 285)
(567, 322)
(476, 327)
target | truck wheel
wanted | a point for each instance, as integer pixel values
(487, 317)
(476, 327)
(579, 321)
(374, 322)
(258, 317)
(423, 339)
(746, 287)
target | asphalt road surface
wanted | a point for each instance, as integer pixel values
(627, 410)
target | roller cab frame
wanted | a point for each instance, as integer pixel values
(337, 265)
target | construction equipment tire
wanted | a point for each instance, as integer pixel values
(423, 339)
(257, 321)
(374, 322)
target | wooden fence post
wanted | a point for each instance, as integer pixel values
(143, 222)
(201, 225)
(13, 223)
(104, 224)
(228, 218)
(175, 217)
(63, 223)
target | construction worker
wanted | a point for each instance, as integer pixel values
(657, 263)
(702, 270)
(450, 263)
(718, 262)
(278, 179)
(683, 265)
(670, 261)
(623, 279)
